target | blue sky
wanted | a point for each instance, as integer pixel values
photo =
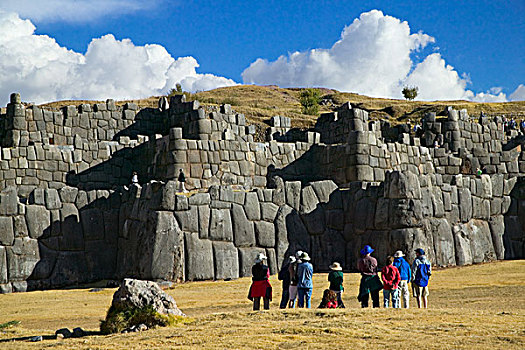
(484, 41)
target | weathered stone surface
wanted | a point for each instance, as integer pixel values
(226, 260)
(243, 232)
(52, 199)
(68, 194)
(293, 194)
(168, 197)
(399, 185)
(309, 200)
(188, 219)
(22, 258)
(38, 220)
(465, 204)
(9, 201)
(3, 266)
(204, 221)
(199, 258)
(268, 211)
(323, 189)
(7, 234)
(138, 294)
(497, 229)
(251, 206)
(443, 242)
(265, 232)
(221, 225)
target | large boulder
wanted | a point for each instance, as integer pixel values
(138, 294)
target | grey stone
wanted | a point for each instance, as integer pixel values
(268, 211)
(38, 220)
(243, 232)
(7, 235)
(204, 221)
(402, 185)
(497, 230)
(226, 260)
(134, 293)
(3, 267)
(443, 242)
(168, 196)
(188, 219)
(22, 258)
(323, 189)
(200, 199)
(199, 258)
(9, 201)
(293, 194)
(92, 220)
(52, 199)
(221, 225)
(68, 194)
(265, 232)
(309, 200)
(251, 206)
(465, 204)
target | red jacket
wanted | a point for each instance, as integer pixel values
(390, 276)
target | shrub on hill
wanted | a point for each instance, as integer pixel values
(310, 99)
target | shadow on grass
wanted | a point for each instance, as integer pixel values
(48, 337)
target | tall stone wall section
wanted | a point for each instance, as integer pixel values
(70, 216)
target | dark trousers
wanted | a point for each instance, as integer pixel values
(375, 299)
(257, 303)
(284, 299)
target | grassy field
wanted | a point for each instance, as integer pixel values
(480, 306)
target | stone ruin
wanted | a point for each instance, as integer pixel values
(68, 214)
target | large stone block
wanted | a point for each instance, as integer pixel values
(22, 258)
(188, 219)
(199, 258)
(326, 249)
(52, 199)
(265, 232)
(399, 185)
(309, 200)
(497, 229)
(293, 194)
(204, 221)
(9, 201)
(443, 242)
(324, 189)
(38, 220)
(465, 204)
(221, 225)
(226, 260)
(7, 235)
(243, 232)
(251, 206)
(268, 211)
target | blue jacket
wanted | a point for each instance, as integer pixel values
(404, 268)
(305, 270)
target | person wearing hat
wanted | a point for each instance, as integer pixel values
(421, 271)
(305, 272)
(335, 277)
(261, 286)
(370, 282)
(406, 274)
(284, 275)
(292, 271)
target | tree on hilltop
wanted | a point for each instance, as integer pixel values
(410, 92)
(310, 99)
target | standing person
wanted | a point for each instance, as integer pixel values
(134, 178)
(370, 282)
(335, 277)
(182, 181)
(261, 287)
(522, 126)
(305, 271)
(405, 273)
(421, 271)
(292, 270)
(391, 278)
(284, 275)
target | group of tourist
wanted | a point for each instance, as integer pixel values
(297, 272)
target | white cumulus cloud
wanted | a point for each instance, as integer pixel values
(373, 57)
(42, 70)
(73, 10)
(518, 94)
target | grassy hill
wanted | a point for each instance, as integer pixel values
(259, 103)
(480, 307)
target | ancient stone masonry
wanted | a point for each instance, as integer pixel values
(69, 215)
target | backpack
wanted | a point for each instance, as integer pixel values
(422, 275)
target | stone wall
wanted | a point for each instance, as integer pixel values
(69, 215)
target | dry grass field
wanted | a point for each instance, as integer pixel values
(259, 103)
(481, 306)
